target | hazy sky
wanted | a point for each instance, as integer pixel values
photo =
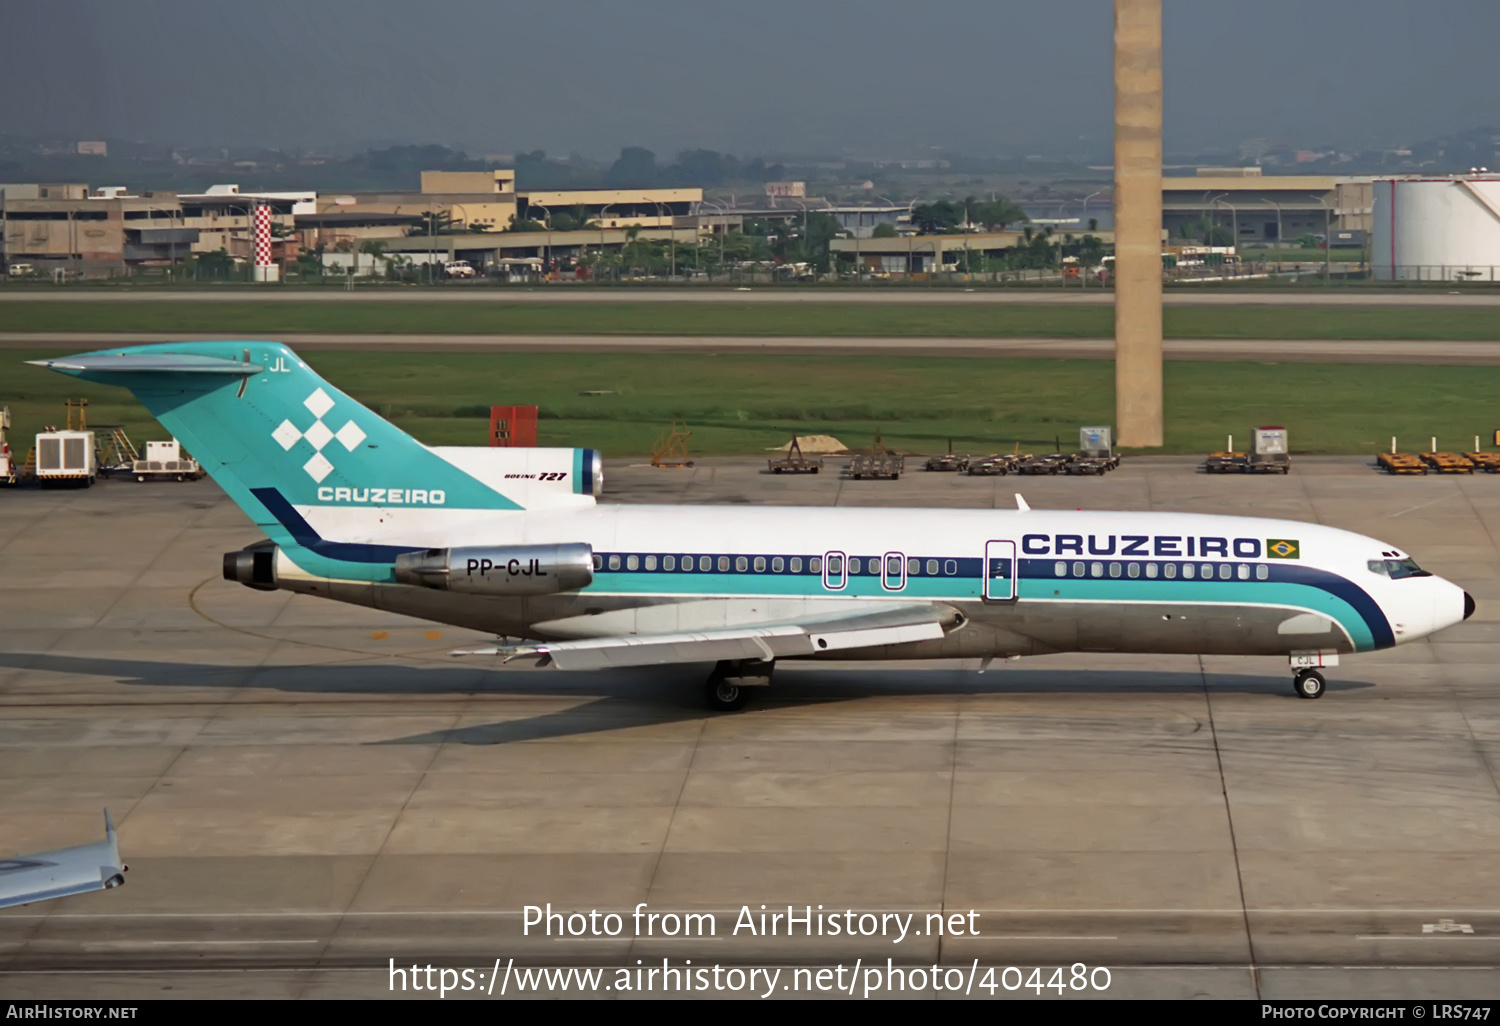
(873, 77)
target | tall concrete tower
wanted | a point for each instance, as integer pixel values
(1138, 385)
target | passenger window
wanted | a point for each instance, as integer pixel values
(760, 564)
(1206, 572)
(812, 564)
(1261, 573)
(1225, 571)
(614, 562)
(669, 563)
(1150, 569)
(1242, 572)
(598, 561)
(1077, 569)
(1114, 569)
(1133, 569)
(950, 567)
(1169, 570)
(777, 565)
(705, 563)
(932, 568)
(741, 564)
(1096, 570)
(632, 562)
(1187, 571)
(835, 565)
(913, 567)
(650, 562)
(1060, 570)
(854, 564)
(723, 564)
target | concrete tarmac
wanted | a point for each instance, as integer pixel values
(1183, 295)
(306, 790)
(1476, 353)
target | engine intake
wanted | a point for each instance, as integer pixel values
(500, 570)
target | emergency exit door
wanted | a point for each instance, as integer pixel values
(1000, 571)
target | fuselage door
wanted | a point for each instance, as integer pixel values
(999, 571)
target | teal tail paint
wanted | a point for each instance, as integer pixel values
(275, 435)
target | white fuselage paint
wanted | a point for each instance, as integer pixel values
(1334, 602)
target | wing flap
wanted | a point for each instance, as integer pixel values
(771, 641)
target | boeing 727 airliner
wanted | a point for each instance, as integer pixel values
(512, 541)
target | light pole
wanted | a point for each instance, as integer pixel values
(1208, 233)
(1327, 238)
(547, 249)
(1086, 204)
(1235, 221)
(1279, 240)
(671, 234)
(723, 225)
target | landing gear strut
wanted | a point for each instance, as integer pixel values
(1309, 684)
(730, 683)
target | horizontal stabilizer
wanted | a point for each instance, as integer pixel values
(771, 641)
(155, 363)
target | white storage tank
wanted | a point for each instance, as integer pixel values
(1437, 229)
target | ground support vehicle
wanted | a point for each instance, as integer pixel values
(947, 462)
(166, 461)
(876, 465)
(1081, 465)
(1447, 463)
(1049, 463)
(1489, 462)
(794, 462)
(991, 466)
(1400, 463)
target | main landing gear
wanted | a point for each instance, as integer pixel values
(729, 686)
(1309, 684)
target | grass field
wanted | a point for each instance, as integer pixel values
(743, 404)
(251, 319)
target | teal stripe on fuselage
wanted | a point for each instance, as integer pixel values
(667, 584)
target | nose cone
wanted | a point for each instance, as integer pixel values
(1468, 605)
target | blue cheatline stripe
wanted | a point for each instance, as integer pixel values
(303, 534)
(578, 471)
(1298, 587)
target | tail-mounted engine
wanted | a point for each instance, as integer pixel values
(254, 567)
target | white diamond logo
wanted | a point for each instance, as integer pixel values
(318, 435)
(350, 435)
(318, 403)
(287, 435)
(317, 468)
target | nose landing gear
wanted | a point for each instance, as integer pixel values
(1309, 684)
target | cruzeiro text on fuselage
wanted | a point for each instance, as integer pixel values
(1196, 546)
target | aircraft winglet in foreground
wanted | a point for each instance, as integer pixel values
(65, 871)
(512, 541)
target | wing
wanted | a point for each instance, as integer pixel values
(57, 874)
(899, 626)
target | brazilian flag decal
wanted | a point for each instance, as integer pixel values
(1282, 548)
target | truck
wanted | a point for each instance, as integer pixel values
(9, 474)
(66, 457)
(164, 461)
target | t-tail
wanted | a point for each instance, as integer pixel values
(340, 489)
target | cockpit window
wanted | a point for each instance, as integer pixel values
(1396, 569)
